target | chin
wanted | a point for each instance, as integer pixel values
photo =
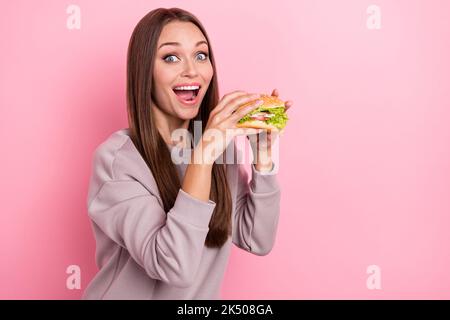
(188, 114)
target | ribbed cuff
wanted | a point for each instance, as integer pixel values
(264, 182)
(192, 210)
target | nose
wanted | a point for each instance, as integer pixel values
(189, 69)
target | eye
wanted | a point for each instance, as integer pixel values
(170, 58)
(202, 56)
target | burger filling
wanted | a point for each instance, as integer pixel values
(262, 116)
(273, 116)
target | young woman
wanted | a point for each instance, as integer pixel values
(164, 230)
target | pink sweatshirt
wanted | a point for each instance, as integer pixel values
(144, 252)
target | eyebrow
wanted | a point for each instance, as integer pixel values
(179, 44)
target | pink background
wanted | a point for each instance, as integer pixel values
(364, 165)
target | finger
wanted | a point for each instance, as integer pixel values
(223, 102)
(251, 133)
(273, 134)
(242, 111)
(236, 103)
(227, 98)
(288, 104)
(275, 92)
(232, 95)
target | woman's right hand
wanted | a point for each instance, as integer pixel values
(221, 126)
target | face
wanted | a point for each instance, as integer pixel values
(182, 70)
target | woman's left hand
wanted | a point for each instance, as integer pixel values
(261, 143)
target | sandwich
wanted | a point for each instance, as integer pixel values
(270, 115)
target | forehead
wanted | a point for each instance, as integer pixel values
(183, 32)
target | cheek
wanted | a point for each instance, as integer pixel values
(208, 72)
(163, 76)
(163, 79)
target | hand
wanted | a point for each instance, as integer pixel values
(221, 126)
(261, 143)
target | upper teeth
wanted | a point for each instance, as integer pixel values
(187, 88)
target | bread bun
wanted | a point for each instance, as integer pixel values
(257, 124)
(269, 102)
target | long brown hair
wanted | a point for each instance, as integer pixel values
(144, 133)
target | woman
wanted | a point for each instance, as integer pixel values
(162, 229)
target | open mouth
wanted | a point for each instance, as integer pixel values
(187, 93)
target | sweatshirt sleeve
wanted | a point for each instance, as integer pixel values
(257, 211)
(167, 245)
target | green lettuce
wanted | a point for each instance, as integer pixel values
(279, 119)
